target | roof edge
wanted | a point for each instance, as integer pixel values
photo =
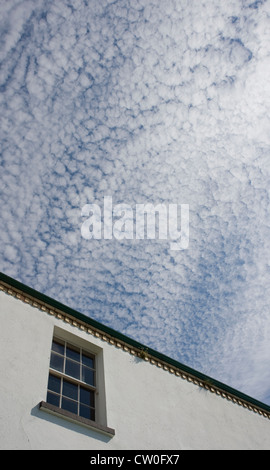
(138, 348)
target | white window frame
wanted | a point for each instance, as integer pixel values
(100, 423)
(64, 377)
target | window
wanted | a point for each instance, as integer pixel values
(76, 383)
(72, 379)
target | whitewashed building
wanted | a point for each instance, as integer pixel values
(69, 382)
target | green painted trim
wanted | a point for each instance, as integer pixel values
(95, 324)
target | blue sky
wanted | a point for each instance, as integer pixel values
(144, 101)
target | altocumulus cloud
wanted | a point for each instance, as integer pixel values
(144, 101)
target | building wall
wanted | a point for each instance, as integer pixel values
(148, 407)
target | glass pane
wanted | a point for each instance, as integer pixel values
(53, 399)
(88, 375)
(87, 412)
(87, 397)
(70, 390)
(70, 405)
(73, 353)
(88, 361)
(57, 362)
(73, 368)
(58, 347)
(54, 383)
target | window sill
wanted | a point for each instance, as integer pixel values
(76, 419)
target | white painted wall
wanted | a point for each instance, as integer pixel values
(148, 407)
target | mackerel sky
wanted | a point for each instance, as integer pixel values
(144, 101)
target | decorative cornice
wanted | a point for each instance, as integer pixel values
(84, 323)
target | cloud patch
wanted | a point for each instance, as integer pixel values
(146, 103)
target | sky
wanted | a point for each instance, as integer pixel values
(144, 101)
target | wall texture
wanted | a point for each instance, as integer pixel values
(147, 406)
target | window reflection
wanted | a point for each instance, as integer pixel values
(72, 368)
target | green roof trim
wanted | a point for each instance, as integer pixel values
(121, 337)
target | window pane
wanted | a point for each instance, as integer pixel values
(73, 368)
(58, 347)
(88, 375)
(57, 362)
(53, 399)
(87, 397)
(73, 353)
(70, 390)
(87, 412)
(70, 405)
(54, 383)
(68, 393)
(88, 361)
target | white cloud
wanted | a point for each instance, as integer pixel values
(145, 102)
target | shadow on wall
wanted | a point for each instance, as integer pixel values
(64, 422)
